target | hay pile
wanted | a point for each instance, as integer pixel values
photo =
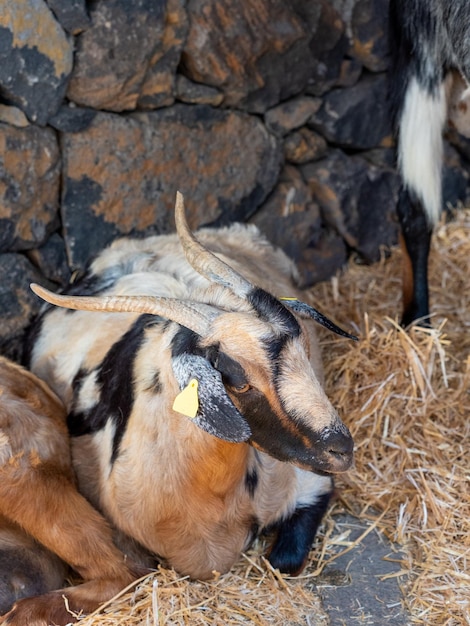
(405, 397)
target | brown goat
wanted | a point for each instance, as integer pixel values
(42, 515)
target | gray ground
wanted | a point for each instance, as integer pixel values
(352, 588)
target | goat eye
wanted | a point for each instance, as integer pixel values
(242, 389)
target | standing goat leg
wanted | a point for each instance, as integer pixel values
(415, 241)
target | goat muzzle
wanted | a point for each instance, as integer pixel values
(338, 450)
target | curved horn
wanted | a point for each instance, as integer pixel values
(187, 314)
(204, 261)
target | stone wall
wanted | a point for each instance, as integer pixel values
(273, 111)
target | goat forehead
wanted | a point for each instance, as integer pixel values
(253, 358)
(258, 345)
(240, 331)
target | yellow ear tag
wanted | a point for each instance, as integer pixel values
(292, 299)
(187, 401)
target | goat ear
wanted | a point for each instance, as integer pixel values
(214, 412)
(305, 310)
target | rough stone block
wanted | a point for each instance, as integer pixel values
(357, 117)
(461, 143)
(322, 261)
(158, 88)
(17, 302)
(72, 14)
(328, 46)
(455, 179)
(304, 145)
(35, 58)
(195, 93)
(261, 52)
(291, 220)
(290, 197)
(72, 119)
(291, 114)
(122, 173)
(357, 199)
(370, 33)
(113, 55)
(29, 186)
(13, 116)
(51, 260)
(350, 73)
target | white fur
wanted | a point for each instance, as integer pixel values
(420, 146)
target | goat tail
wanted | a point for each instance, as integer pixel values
(420, 143)
(418, 100)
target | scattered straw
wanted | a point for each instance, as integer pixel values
(253, 593)
(405, 397)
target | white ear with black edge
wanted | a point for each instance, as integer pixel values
(204, 399)
(305, 310)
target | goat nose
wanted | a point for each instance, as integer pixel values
(338, 444)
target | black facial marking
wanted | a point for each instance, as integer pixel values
(251, 481)
(281, 439)
(232, 372)
(270, 309)
(295, 536)
(185, 341)
(115, 381)
(274, 347)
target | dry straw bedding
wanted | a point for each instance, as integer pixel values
(405, 397)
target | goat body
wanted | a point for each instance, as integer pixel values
(428, 38)
(172, 314)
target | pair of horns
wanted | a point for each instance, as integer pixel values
(193, 315)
